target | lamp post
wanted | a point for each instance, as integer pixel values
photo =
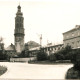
(40, 40)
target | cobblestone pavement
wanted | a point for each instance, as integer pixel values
(34, 71)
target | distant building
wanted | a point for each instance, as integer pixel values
(72, 37)
(10, 50)
(31, 48)
(32, 44)
(19, 31)
(47, 49)
(53, 48)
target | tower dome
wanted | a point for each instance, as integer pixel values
(19, 7)
(19, 11)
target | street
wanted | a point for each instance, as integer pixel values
(18, 70)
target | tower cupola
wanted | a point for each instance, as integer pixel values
(19, 8)
(19, 11)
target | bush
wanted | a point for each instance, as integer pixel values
(3, 56)
(41, 56)
(23, 54)
(2, 70)
(59, 56)
(64, 53)
(52, 57)
(75, 55)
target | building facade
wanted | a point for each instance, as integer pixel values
(53, 48)
(72, 37)
(19, 31)
(47, 49)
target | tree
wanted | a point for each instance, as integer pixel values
(1, 39)
(24, 54)
(3, 55)
(59, 56)
(52, 57)
(64, 52)
(41, 56)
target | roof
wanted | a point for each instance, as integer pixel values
(36, 48)
(10, 47)
(53, 45)
(76, 27)
(32, 44)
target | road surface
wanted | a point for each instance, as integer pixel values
(34, 71)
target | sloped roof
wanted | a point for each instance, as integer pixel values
(76, 28)
(10, 47)
(32, 44)
(36, 48)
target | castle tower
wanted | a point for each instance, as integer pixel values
(19, 31)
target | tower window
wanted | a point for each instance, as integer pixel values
(20, 19)
(72, 42)
(72, 34)
(67, 36)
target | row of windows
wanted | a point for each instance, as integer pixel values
(73, 35)
(19, 25)
(77, 33)
(19, 19)
(74, 43)
(57, 48)
(19, 31)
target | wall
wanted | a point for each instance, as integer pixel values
(72, 38)
(21, 59)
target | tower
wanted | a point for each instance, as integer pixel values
(19, 31)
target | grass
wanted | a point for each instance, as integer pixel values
(2, 70)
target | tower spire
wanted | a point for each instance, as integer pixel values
(19, 10)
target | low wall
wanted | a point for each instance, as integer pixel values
(21, 59)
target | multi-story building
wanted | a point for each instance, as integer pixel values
(72, 37)
(53, 48)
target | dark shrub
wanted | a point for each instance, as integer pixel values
(70, 55)
(63, 54)
(74, 55)
(59, 56)
(23, 54)
(3, 56)
(52, 57)
(41, 56)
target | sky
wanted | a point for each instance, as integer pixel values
(50, 18)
